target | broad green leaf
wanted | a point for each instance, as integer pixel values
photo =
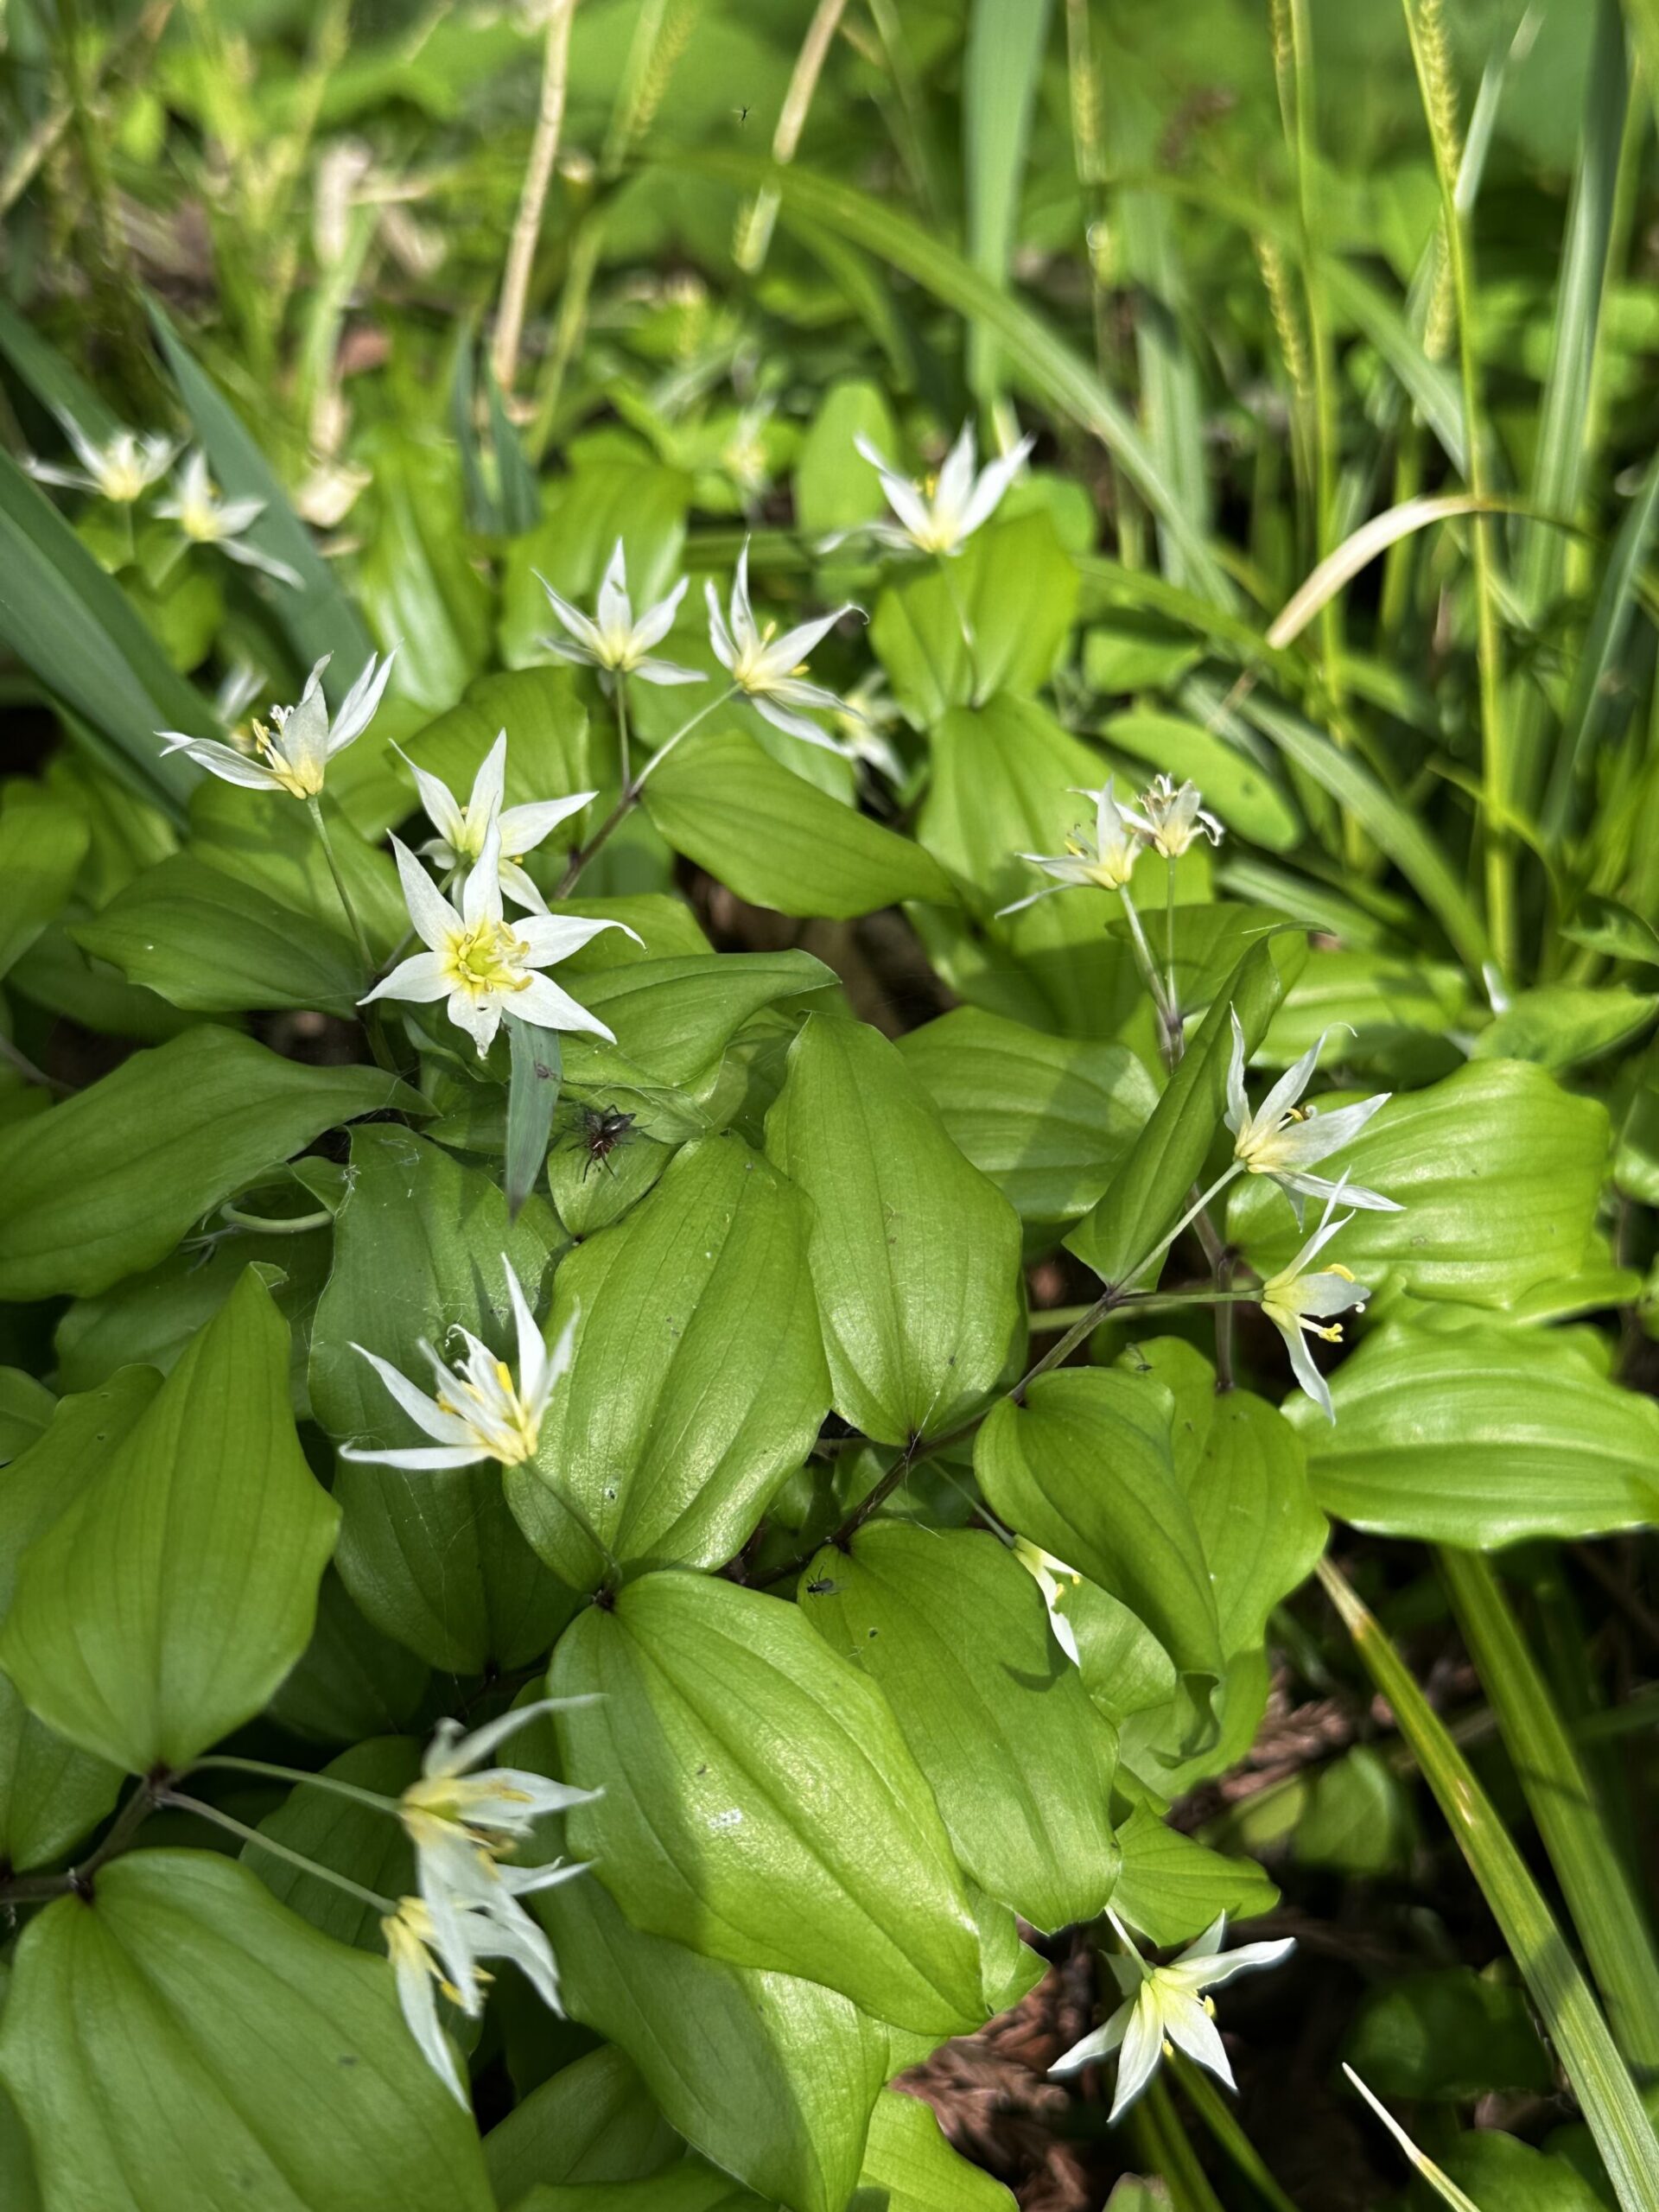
(214, 943)
(183, 2043)
(1046, 1118)
(51, 1794)
(771, 2076)
(1566, 1025)
(675, 1016)
(1150, 1190)
(914, 1254)
(1448, 2035)
(835, 488)
(41, 847)
(1606, 926)
(53, 379)
(318, 616)
(952, 1629)
(354, 1839)
(759, 1802)
(109, 1180)
(778, 841)
(1498, 1172)
(351, 1681)
(594, 2121)
(77, 1443)
(263, 841)
(547, 748)
(1500, 2171)
(25, 1407)
(164, 1606)
(697, 1381)
(1355, 1817)
(415, 578)
(1209, 942)
(1171, 1886)
(591, 1185)
(689, 2185)
(1480, 1438)
(1250, 1498)
(1013, 589)
(1247, 796)
(909, 2166)
(1387, 1003)
(434, 1559)
(1085, 1468)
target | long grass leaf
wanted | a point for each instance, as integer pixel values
(1000, 67)
(54, 381)
(1607, 2094)
(1593, 1879)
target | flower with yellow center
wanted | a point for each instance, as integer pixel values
(482, 965)
(770, 670)
(939, 517)
(1170, 819)
(480, 1411)
(1284, 1139)
(1299, 1304)
(409, 1935)
(206, 519)
(121, 470)
(293, 754)
(615, 640)
(462, 831)
(1168, 2005)
(1105, 860)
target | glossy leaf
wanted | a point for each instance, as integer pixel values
(41, 847)
(697, 1381)
(910, 2167)
(109, 1180)
(183, 2041)
(1171, 1886)
(759, 1802)
(993, 618)
(914, 1254)
(594, 2121)
(164, 1607)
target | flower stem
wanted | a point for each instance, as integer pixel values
(1219, 2117)
(301, 1777)
(294, 1224)
(1171, 995)
(622, 723)
(630, 799)
(385, 1906)
(372, 1023)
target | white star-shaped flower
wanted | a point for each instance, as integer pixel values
(293, 755)
(1171, 819)
(1165, 2006)
(770, 670)
(1283, 1140)
(480, 1412)
(483, 965)
(939, 517)
(121, 470)
(1051, 1575)
(462, 830)
(1107, 862)
(615, 640)
(1299, 1304)
(206, 519)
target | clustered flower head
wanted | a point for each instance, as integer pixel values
(615, 640)
(293, 751)
(480, 1411)
(463, 1825)
(1283, 1139)
(1168, 2006)
(939, 517)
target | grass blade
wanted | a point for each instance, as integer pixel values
(1607, 2094)
(1592, 1877)
(532, 1093)
(1000, 67)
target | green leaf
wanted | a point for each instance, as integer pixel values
(760, 1800)
(434, 1559)
(1498, 1172)
(1481, 1437)
(687, 2186)
(697, 1381)
(532, 1093)
(1046, 1118)
(263, 841)
(1500, 2171)
(1356, 1818)
(1564, 1024)
(351, 1681)
(675, 1017)
(952, 1629)
(25, 1407)
(183, 2043)
(594, 2121)
(1013, 588)
(41, 847)
(81, 1438)
(109, 1180)
(164, 1606)
(1387, 1003)
(213, 944)
(1149, 1192)
(1247, 796)
(1085, 1468)
(1606, 926)
(1449, 2036)
(835, 488)
(1171, 1886)
(317, 615)
(769, 2076)
(909, 2166)
(358, 1840)
(915, 1255)
(1001, 66)
(778, 841)
(51, 1794)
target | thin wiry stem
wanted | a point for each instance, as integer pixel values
(532, 199)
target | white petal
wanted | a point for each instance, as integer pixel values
(442, 809)
(720, 638)
(515, 884)
(555, 937)
(533, 1352)
(479, 1018)
(1143, 2046)
(436, 920)
(656, 622)
(1320, 1135)
(357, 710)
(1249, 1958)
(549, 1008)
(303, 737)
(956, 480)
(1321, 1186)
(418, 981)
(1099, 2042)
(793, 725)
(426, 1414)
(579, 625)
(665, 672)
(743, 628)
(1191, 2029)
(419, 2003)
(786, 653)
(615, 613)
(419, 1459)
(522, 827)
(224, 762)
(485, 802)
(1301, 1359)
(480, 901)
(993, 481)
